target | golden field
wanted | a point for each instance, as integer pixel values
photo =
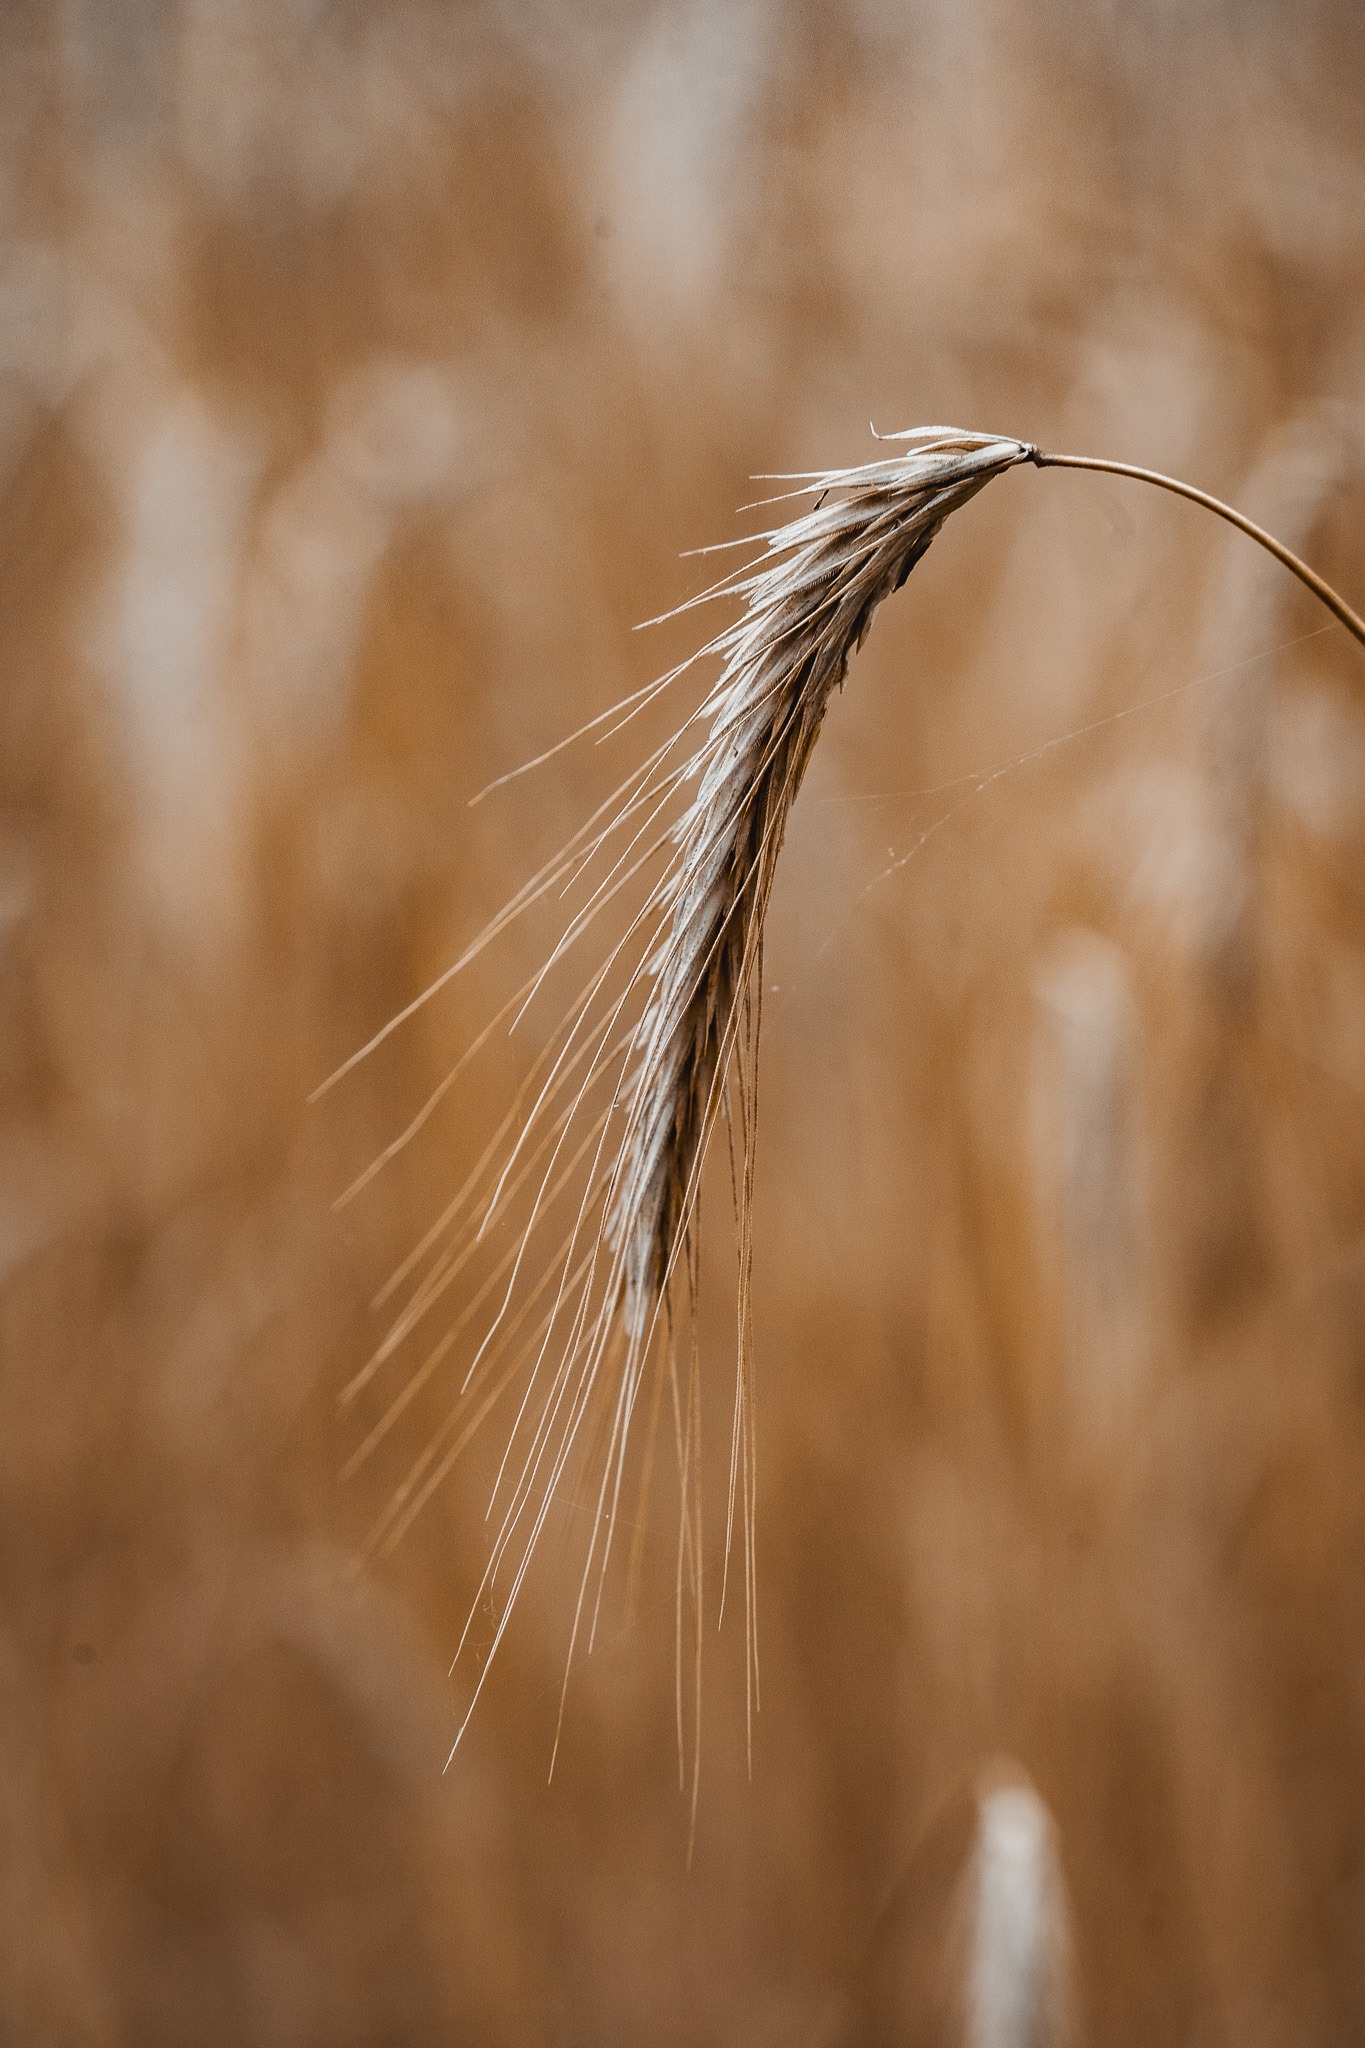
(364, 373)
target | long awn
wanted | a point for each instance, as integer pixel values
(661, 1044)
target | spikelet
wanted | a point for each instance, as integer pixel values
(808, 608)
(614, 1119)
(663, 1040)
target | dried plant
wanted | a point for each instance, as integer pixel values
(610, 1130)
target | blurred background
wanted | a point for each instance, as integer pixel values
(364, 371)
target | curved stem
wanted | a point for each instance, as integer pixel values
(1352, 621)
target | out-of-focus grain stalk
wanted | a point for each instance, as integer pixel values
(1018, 1981)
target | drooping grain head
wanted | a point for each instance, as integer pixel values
(616, 1114)
(807, 610)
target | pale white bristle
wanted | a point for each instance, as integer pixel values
(612, 1123)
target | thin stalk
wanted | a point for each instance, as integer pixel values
(1335, 603)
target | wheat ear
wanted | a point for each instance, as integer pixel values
(807, 612)
(662, 1043)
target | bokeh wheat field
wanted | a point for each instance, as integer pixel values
(364, 372)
